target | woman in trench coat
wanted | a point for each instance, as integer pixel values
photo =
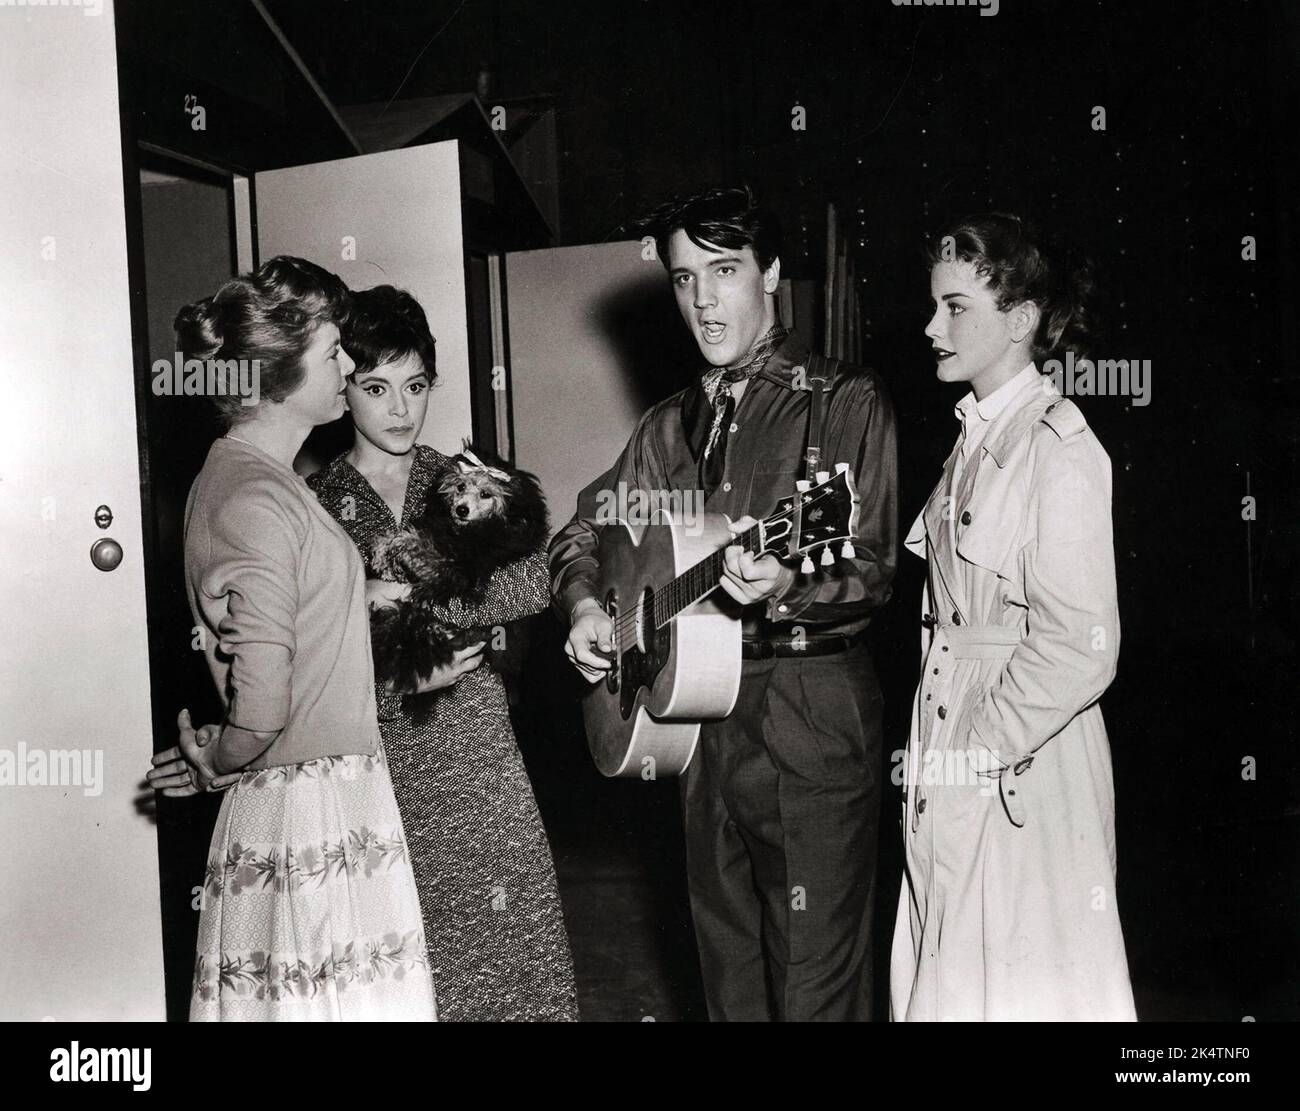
(1008, 907)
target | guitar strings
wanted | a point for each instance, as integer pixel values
(626, 622)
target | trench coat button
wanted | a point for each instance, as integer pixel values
(965, 517)
(928, 697)
(1052, 406)
(945, 648)
(936, 671)
(920, 806)
(956, 618)
(942, 712)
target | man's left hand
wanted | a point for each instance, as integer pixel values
(750, 580)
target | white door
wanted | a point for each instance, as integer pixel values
(392, 218)
(80, 935)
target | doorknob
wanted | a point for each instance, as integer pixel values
(106, 554)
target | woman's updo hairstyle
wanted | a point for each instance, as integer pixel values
(270, 315)
(1020, 264)
(386, 325)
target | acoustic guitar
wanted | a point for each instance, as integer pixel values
(676, 651)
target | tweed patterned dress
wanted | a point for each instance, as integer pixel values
(495, 930)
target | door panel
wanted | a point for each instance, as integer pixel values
(389, 218)
(80, 934)
(595, 339)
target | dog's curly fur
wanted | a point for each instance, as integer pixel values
(479, 517)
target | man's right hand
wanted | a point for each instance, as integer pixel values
(463, 661)
(592, 633)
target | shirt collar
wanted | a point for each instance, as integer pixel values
(991, 407)
(787, 361)
(340, 476)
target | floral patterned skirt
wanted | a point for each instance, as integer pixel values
(309, 909)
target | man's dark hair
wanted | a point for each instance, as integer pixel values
(728, 217)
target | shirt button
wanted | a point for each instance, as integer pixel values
(734, 428)
(965, 518)
(782, 608)
(942, 712)
(726, 485)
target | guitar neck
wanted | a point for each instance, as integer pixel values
(816, 517)
(698, 580)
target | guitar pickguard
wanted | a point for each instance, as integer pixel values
(636, 667)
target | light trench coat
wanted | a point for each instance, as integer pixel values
(1008, 906)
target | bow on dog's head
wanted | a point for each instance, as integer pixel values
(467, 461)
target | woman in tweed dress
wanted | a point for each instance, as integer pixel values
(487, 885)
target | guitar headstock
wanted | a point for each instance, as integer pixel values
(825, 516)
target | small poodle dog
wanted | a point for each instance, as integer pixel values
(477, 518)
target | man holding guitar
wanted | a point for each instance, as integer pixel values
(781, 797)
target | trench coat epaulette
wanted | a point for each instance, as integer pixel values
(1063, 417)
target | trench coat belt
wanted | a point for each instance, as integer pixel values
(979, 642)
(983, 642)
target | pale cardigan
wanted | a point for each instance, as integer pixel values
(270, 574)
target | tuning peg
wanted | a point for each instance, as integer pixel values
(806, 567)
(822, 476)
(841, 468)
(847, 551)
(803, 485)
(827, 558)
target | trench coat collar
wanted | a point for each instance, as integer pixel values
(971, 411)
(996, 503)
(1021, 414)
(998, 499)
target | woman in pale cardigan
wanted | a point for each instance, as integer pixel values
(1008, 909)
(309, 908)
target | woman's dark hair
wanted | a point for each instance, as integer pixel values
(270, 315)
(1020, 264)
(388, 324)
(730, 217)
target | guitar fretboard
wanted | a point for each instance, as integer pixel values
(696, 581)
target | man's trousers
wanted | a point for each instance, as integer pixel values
(782, 803)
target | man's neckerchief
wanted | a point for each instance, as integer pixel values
(708, 442)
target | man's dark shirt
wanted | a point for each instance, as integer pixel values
(764, 457)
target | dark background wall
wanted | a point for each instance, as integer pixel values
(914, 114)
